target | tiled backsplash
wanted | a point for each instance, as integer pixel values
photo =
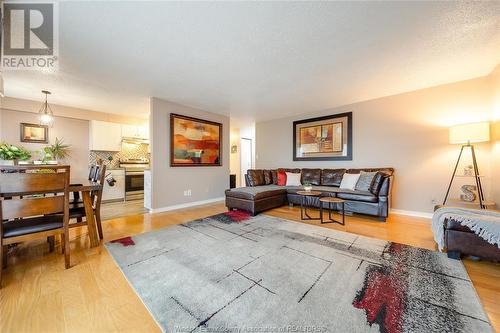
(128, 151)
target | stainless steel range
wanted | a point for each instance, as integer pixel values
(134, 177)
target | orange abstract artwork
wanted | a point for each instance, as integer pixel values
(195, 142)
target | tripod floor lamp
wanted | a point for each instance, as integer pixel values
(466, 135)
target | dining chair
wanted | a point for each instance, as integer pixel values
(77, 208)
(34, 203)
(92, 177)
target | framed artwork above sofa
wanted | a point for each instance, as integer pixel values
(327, 138)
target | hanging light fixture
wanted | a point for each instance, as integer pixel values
(46, 115)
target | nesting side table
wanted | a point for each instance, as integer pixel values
(331, 200)
(303, 204)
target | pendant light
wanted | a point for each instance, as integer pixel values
(45, 114)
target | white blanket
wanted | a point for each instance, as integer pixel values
(485, 223)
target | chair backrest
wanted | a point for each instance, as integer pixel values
(92, 172)
(31, 191)
(100, 178)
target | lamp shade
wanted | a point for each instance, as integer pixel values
(470, 133)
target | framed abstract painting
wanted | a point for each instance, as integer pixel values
(194, 142)
(327, 138)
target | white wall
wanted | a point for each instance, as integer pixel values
(495, 136)
(408, 132)
(169, 184)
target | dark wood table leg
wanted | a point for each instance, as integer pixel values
(89, 215)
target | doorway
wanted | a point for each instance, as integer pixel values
(245, 158)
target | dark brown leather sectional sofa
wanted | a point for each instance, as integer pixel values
(262, 191)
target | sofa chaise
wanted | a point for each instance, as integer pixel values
(263, 193)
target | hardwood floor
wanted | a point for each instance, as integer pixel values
(39, 295)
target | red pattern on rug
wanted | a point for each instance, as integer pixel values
(238, 215)
(383, 297)
(125, 241)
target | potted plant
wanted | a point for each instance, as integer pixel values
(307, 186)
(55, 152)
(11, 155)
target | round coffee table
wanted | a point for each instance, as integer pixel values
(303, 204)
(331, 200)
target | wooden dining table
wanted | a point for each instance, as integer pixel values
(86, 188)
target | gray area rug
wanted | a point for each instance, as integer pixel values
(232, 272)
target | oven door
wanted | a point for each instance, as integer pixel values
(134, 181)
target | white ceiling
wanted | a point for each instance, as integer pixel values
(260, 60)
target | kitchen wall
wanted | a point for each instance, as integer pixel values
(407, 131)
(71, 124)
(168, 184)
(129, 150)
(74, 132)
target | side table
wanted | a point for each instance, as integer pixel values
(303, 204)
(331, 200)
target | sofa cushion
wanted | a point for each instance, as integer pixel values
(268, 177)
(274, 174)
(385, 171)
(354, 195)
(256, 193)
(377, 182)
(365, 181)
(323, 189)
(332, 177)
(311, 176)
(255, 177)
(289, 170)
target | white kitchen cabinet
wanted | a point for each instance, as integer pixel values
(116, 192)
(105, 136)
(144, 131)
(135, 131)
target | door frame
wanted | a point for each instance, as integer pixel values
(242, 177)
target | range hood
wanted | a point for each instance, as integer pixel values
(134, 140)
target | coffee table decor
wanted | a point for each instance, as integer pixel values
(329, 201)
(304, 215)
(228, 273)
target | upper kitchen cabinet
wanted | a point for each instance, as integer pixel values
(105, 136)
(135, 131)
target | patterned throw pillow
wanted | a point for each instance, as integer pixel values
(365, 181)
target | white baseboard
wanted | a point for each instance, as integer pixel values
(209, 201)
(411, 213)
(185, 205)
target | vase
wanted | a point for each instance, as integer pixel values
(308, 188)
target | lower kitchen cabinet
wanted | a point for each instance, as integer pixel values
(116, 192)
